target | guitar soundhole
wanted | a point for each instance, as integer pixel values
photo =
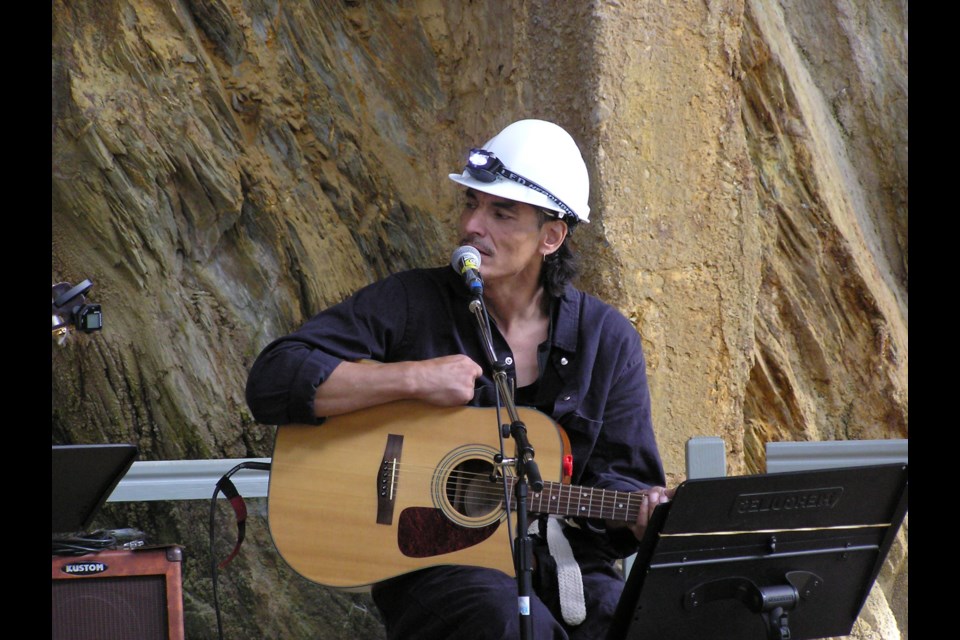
(463, 489)
(471, 492)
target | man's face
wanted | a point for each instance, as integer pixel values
(507, 233)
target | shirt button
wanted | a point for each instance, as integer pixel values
(566, 397)
(564, 361)
(508, 360)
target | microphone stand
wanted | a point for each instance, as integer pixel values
(527, 472)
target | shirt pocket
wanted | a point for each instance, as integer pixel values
(583, 434)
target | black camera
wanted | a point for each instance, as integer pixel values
(88, 318)
(71, 310)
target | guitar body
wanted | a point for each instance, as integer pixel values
(398, 487)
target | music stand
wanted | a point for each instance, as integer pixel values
(788, 555)
(84, 476)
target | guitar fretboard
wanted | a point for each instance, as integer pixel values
(588, 502)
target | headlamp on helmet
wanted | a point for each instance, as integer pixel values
(484, 166)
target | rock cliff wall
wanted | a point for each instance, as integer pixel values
(223, 169)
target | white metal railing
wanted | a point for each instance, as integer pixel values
(833, 454)
(187, 480)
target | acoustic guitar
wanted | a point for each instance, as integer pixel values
(403, 486)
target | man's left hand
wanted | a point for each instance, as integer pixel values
(653, 497)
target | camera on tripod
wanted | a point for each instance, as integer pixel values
(72, 311)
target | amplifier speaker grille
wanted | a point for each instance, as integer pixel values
(119, 595)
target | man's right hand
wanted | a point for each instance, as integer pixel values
(447, 381)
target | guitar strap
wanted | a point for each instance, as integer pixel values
(226, 486)
(569, 579)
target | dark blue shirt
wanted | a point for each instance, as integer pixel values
(593, 379)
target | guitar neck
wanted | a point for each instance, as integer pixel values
(587, 502)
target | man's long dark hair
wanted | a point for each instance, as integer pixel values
(561, 266)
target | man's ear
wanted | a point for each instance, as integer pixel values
(554, 233)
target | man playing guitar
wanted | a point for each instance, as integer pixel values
(568, 355)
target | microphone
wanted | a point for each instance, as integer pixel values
(466, 262)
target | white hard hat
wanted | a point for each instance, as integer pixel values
(532, 161)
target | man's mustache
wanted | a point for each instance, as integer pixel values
(477, 244)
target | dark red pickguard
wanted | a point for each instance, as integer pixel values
(424, 532)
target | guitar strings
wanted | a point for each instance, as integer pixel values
(487, 489)
(477, 490)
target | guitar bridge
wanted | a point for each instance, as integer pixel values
(387, 478)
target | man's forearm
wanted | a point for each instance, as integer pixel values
(357, 385)
(444, 381)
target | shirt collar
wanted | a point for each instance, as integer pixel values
(567, 320)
